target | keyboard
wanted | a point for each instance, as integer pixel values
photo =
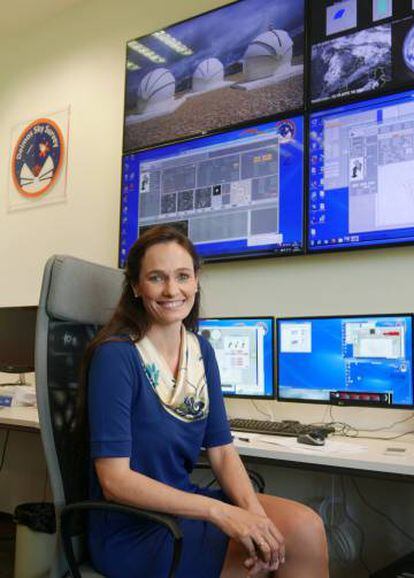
(277, 428)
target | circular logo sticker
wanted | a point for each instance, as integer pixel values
(37, 158)
(286, 130)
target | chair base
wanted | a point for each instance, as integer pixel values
(402, 568)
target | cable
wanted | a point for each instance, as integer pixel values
(3, 453)
(357, 526)
(401, 435)
(391, 425)
(380, 512)
(270, 417)
(346, 430)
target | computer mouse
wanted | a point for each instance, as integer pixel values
(312, 439)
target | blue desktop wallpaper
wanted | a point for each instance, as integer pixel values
(330, 366)
(329, 227)
(291, 190)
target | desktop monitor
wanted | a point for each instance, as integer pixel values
(360, 47)
(17, 339)
(361, 174)
(233, 65)
(244, 351)
(235, 194)
(350, 360)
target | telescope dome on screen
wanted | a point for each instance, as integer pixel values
(239, 63)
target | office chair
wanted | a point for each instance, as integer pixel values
(77, 298)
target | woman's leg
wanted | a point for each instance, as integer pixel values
(306, 547)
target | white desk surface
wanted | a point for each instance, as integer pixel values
(19, 418)
(340, 452)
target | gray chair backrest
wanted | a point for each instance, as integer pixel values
(77, 297)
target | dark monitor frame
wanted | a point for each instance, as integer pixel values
(341, 103)
(335, 101)
(272, 396)
(22, 368)
(302, 113)
(343, 403)
(267, 118)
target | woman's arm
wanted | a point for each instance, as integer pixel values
(233, 478)
(121, 484)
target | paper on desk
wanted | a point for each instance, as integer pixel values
(331, 445)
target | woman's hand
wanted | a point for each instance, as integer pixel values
(256, 532)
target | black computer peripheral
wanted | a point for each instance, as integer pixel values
(289, 428)
(316, 438)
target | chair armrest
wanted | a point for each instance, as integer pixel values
(67, 513)
(256, 478)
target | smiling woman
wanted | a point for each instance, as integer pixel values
(167, 284)
(154, 401)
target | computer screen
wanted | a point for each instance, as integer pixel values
(233, 65)
(360, 46)
(235, 194)
(351, 360)
(17, 339)
(244, 352)
(361, 174)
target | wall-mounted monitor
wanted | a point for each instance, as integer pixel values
(244, 349)
(234, 65)
(361, 183)
(350, 360)
(17, 339)
(235, 194)
(360, 46)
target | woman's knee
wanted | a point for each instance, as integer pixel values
(307, 534)
(301, 526)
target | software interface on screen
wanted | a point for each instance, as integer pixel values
(244, 353)
(361, 189)
(360, 46)
(235, 193)
(233, 65)
(349, 360)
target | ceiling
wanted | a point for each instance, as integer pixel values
(18, 16)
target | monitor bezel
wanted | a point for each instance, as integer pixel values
(272, 396)
(326, 108)
(343, 403)
(16, 369)
(312, 106)
(268, 118)
(298, 113)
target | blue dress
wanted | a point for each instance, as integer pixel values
(126, 419)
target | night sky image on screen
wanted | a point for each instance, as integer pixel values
(238, 63)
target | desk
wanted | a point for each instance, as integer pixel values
(20, 418)
(371, 462)
(23, 477)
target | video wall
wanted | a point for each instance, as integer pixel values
(273, 128)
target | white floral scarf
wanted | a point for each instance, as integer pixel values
(186, 397)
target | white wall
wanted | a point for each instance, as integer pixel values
(77, 59)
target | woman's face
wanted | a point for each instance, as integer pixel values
(167, 283)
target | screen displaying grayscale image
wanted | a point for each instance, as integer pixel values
(361, 47)
(238, 63)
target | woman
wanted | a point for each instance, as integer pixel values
(154, 400)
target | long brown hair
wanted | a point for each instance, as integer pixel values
(130, 319)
